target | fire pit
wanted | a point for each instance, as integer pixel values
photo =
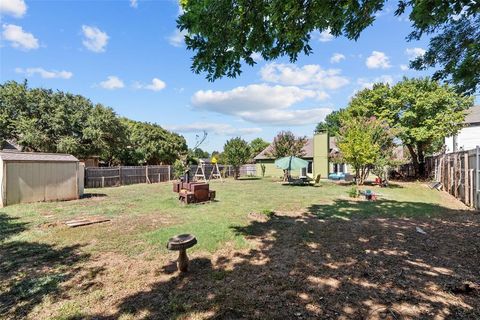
(192, 192)
(181, 243)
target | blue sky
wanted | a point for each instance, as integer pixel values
(129, 56)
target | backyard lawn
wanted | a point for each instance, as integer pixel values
(265, 251)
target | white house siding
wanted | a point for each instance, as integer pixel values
(467, 139)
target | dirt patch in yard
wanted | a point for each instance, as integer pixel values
(302, 267)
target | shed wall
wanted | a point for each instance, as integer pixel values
(41, 181)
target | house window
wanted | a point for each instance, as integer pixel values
(307, 170)
(339, 168)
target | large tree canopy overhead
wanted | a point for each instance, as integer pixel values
(224, 33)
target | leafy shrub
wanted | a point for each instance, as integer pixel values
(353, 192)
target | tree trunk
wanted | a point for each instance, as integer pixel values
(414, 156)
(236, 172)
(421, 161)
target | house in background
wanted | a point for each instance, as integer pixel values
(469, 137)
(317, 152)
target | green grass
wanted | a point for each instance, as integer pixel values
(52, 271)
(145, 216)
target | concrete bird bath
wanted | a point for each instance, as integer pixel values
(181, 243)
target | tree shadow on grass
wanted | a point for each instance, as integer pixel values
(30, 271)
(303, 267)
(346, 209)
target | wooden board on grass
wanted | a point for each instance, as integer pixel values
(84, 222)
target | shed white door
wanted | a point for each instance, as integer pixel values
(41, 181)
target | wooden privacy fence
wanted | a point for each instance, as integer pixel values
(125, 175)
(459, 174)
(118, 176)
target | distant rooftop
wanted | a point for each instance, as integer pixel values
(307, 150)
(36, 156)
(473, 116)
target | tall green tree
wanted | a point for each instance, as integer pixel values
(364, 142)
(198, 153)
(13, 101)
(423, 111)
(224, 33)
(236, 152)
(257, 145)
(54, 121)
(286, 144)
(331, 123)
(151, 144)
(106, 134)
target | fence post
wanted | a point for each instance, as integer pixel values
(465, 175)
(169, 174)
(103, 181)
(147, 180)
(472, 200)
(120, 175)
(477, 178)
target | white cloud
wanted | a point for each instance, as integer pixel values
(368, 83)
(296, 117)
(155, 85)
(311, 75)
(15, 8)
(19, 38)
(216, 128)
(112, 83)
(257, 57)
(134, 3)
(94, 39)
(413, 53)
(52, 74)
(403, 67)
(250, 98)
(324, 36)
(337, 57)
(261, 103)
(378, 60)
(177, 38)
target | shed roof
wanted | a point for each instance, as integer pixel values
(473, 115)
(36, 156)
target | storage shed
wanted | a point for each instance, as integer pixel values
(34, 177)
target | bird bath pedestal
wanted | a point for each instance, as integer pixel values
(181, 243)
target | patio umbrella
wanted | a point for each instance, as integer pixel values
(291, 163)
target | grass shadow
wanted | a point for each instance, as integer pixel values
(93, 195)
(31, 271)
(346, 209)
(310, 268)
(249, 178)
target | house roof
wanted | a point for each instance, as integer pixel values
(307, 149)
(36, 156)
(473, 115)
(10, 145)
